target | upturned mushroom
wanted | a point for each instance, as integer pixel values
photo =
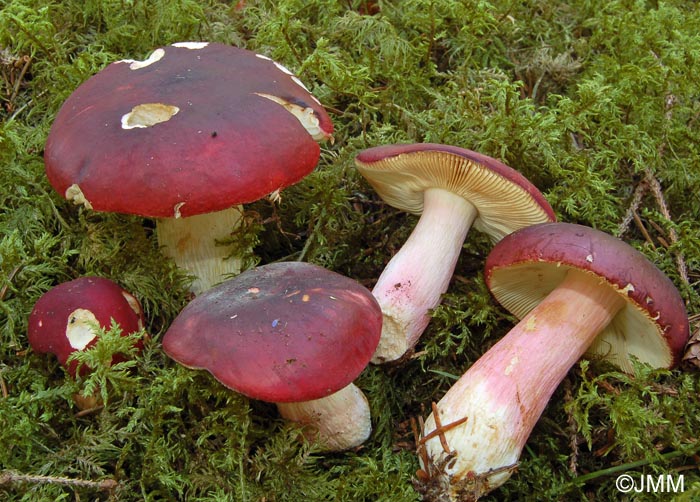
(452, 189)
(290, 333)
(575, 290)
(186, 136)
(65, 319)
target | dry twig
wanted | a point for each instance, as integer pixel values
(651, 183)
(7, 477)
(573, 434)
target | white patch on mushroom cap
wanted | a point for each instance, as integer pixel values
(287, 71)
(191, 45)
(80, 328)
(76, 195)
(301, 84)
(283, 68)
(135, 306)
(176, 210)
(148, 114)
(275, 196)
(135, 64)
(306, 116)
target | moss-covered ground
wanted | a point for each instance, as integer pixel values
(596, 101)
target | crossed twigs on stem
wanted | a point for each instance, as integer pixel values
(421, 438)
(469, 486)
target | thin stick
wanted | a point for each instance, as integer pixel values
(672, 234)
(642, 228)
(10, 276)
(639, 192)
(572, 429)
(661, 238)
(441, 429)
(420, 448)
(441, 432)
(669, 103)
(18, 82)
(3, 386)
(89, 411)
(438, 428)
(16, 477)
(627, 467)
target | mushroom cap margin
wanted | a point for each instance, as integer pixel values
(528, 264)
(504, 198)
(282, 332)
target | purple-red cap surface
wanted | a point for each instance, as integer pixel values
(195, 128)
(283, 332)
(63, 319)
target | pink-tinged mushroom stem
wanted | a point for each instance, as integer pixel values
(504, 393)
(191, 243)
(338, 422)
(419, 273)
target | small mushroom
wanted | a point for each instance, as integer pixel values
(65, 318)
(186, 136)
(452, 189)
(575, 289)
(290, 333)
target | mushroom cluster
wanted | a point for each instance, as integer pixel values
(197, 129)
(584, 289)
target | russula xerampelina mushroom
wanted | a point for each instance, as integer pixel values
(452, 189)
(185, 136)
(289, 333)
(65, 320)
(575, 290)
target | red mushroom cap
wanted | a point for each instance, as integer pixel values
(195, 128)
(283, 332)
(527, 265)
(61, 321)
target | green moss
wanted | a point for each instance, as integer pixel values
(592, 100)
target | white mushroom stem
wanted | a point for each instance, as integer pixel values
(192, 243)
(504, 393)
(415, 279)
(338, 422)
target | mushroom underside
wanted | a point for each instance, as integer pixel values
(521, 287)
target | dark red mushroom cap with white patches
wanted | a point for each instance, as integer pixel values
(283, 332)
(195, 128)
(527, 265)
(504, 198)
(63, 319)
